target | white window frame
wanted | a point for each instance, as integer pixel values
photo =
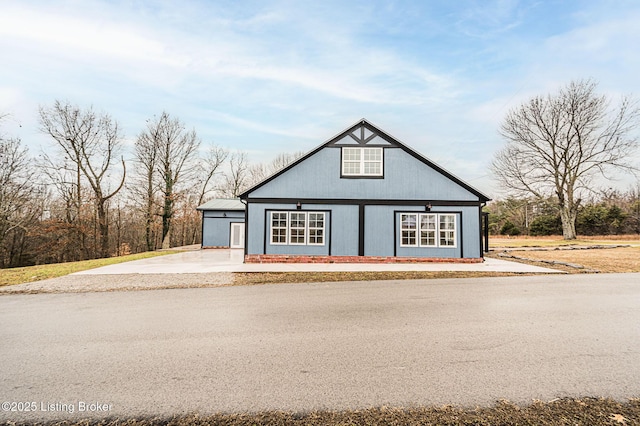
(362, 160)
(272, 228)
(426, 229)
(297, 229)
(315, 232)
(447, 234)
(440, 232)
(408, 232)
(319, 232)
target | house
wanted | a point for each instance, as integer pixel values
(222, 223)
(361, 196)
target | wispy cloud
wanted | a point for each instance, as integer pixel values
(263, 74)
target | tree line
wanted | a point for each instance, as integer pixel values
(610, 212)
(80, 198)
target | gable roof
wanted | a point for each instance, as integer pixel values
(363, 133)
(222, 204)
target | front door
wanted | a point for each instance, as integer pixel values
(237, 235)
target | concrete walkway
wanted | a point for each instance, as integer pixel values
(207, 261)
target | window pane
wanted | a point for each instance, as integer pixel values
(278, 227)
(372, 169)
(351, 154)
(351, 168)
(408, 234)
(316, 228)
(428, 230)
(447, 230)
(408, 221)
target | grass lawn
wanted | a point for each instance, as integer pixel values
(27, 274)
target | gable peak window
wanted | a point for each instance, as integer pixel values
(362, 161)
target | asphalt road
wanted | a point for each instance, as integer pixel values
(319, 346)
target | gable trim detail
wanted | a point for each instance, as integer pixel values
(362, 140)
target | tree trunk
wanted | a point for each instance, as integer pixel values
(568, 217)
(166, 222)
(103, 229)
(151, 244)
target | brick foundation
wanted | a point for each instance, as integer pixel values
(215, 247)
(286, 258)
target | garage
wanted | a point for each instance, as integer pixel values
(223, 223)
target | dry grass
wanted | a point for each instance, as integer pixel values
(558, 241)
(624, 259)
(246, 278)
(27, 274)
(574, 412)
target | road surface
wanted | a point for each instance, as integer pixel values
(319, 346)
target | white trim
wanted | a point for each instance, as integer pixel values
(271, 228)
(316, 228)
(306, 229)
(361, 161)
(450, 233)
(302, 228)
(438, 231)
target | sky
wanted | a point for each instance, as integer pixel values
(272, 76)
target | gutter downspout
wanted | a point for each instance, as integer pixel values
(246, 228)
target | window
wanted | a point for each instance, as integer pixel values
(316, 229)
(297, 228)
(361, 161)
(408, 230)
(278, 228)
(447, 230)
(427, 230)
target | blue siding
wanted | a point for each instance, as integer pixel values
(344, 231)
(405, 178)
(216, 228)
(381, 231)
(341, 230)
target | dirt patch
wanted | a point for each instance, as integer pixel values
(622, 259)
(580, 412)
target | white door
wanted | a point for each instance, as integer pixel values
(237, 235)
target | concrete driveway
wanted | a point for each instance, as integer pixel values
(219, 260)
(322, 346)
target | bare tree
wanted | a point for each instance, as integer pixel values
(147, 185)
(282, 160)
(91, 142)
(209, 166)
(557, 144)
(16, 189)
(172, 150)
(237, 178)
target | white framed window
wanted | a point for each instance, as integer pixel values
(278, 227)
(428, 230)
(297, 228)
(408, 230)
(360, 161)
(316, 229)
(447, 230)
